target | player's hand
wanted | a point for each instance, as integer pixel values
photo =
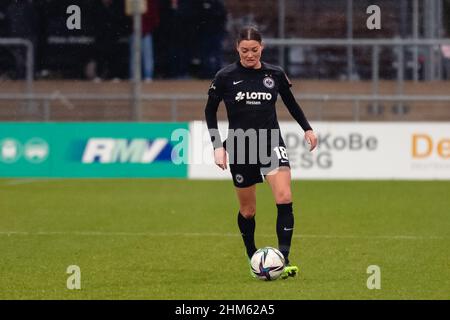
(310, 137)
(220, 158)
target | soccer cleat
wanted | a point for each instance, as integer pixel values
(289, 271)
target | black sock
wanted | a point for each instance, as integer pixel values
(285, 228)
(247, 227)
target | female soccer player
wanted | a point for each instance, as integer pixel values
(249, 88)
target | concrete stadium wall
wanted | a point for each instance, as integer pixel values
(62, 109)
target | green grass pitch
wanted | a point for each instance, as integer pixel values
(178, 239)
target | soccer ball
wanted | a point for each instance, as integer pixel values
(267, 263)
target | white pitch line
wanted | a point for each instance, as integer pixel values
(195, 234)
(20, 181)
(16, 182)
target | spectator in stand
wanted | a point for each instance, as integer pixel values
(22, 22)
(3, 26)
(447, 62)
(150, 21)
(445, 50)
(177, 24)
(5, 59)
(108, 18)
(211, 17)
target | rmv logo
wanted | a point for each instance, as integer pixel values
(108, 150)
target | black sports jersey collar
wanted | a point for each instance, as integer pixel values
(241, 67)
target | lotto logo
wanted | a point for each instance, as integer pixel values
(240, 96)
(253, 96)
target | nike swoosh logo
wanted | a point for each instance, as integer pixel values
(286, 229)
(284, 161)
(236, 82)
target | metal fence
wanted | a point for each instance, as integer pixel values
(415, 19)
(136, 96)
(355, 100)
(375, 44)
(28, 45)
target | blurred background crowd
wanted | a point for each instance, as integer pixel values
(184, 39)
(180, 38)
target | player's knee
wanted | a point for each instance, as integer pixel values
(283, 196)
(248, 211)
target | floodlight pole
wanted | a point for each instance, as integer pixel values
(430, 34)
(439, 34)
(415, 29)
(281, 31)
(350, 70)
(137, 36)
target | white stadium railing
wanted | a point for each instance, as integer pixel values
(175, 99)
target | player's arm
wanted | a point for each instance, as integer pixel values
(211, 108)
(297, 113)
(211, 120)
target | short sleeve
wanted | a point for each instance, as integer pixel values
(216, 88)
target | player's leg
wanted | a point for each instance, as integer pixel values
(280, 183)
(246, 217)
(245, 177)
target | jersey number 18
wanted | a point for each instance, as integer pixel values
(281, 153)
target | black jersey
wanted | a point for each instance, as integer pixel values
(250, 96)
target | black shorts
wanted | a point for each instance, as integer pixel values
(250, 168)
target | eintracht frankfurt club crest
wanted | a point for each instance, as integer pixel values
(268, 82)
(239, 178)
